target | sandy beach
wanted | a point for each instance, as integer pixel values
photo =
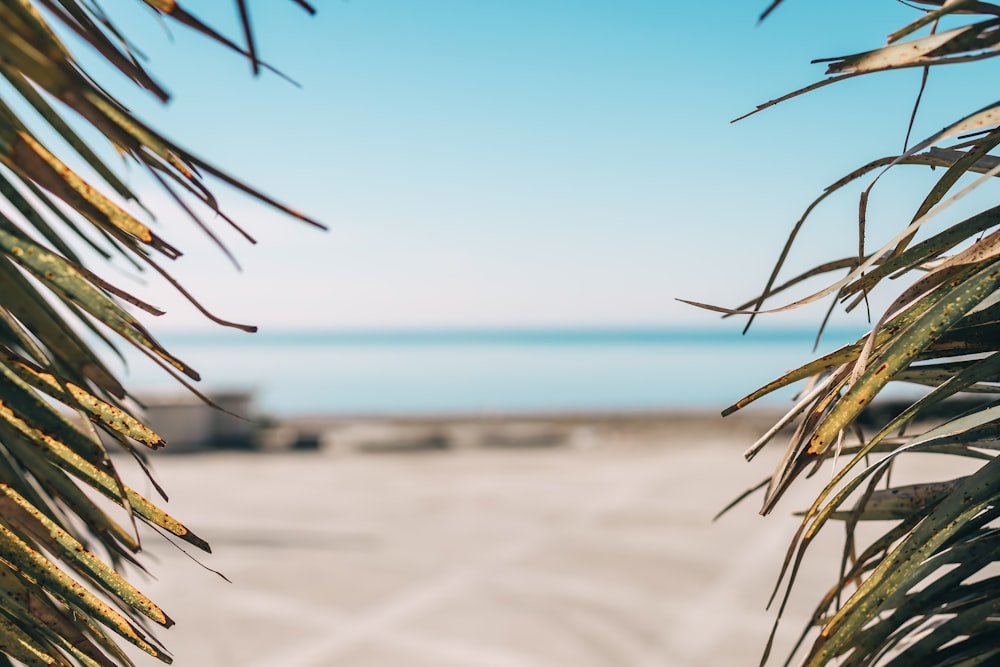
(597, 550)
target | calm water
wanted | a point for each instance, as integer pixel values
(488, 371)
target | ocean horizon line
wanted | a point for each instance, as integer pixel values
(520, 335)
(497, 369)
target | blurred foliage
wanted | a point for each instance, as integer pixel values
(918, 580)
(62, 597)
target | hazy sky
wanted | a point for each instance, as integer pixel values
(526, 162)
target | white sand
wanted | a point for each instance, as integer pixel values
(483, 557)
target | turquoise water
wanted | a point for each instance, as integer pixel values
(488, 371)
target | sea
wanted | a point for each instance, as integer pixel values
(495, 371)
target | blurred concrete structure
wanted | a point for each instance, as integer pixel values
(188, 424)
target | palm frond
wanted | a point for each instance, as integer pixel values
(923, 589)
(63, 598)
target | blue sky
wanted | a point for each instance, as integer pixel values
(526, 162)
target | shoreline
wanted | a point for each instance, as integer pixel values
(400, 432)
(189, 425)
